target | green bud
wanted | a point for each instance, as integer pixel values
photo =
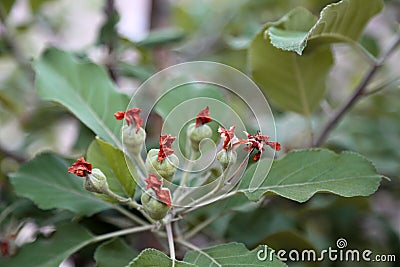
(96, 182)
(226, 158)
(155, 208)
(196, 134)
(133, 141)
(165, 169)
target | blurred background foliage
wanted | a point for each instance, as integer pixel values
(168, 32)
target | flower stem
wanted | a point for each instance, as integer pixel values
(170, 242)
(130, 215)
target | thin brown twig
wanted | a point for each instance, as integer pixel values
(357, 94)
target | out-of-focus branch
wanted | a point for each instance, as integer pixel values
(13, 47)
(19, 158)
(357, 94)
(112, 37)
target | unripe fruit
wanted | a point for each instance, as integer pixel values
(226, 158)
(155, 208)
(196, 134)
(96, 182)
(133, 141)
(165, 169)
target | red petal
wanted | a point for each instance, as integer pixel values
(274, 145)
(164, 196)
(165, 146)
(203, 117)
(257, 156)
(228, 135)
(133, 114)
(153, 183)
(119, 115)
(80, 168)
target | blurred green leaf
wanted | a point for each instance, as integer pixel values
(114, 253)
(152, 257)
(45, 180)
(7, 5)
(136, 71)
(108, 33)
(84, 88)
(186, 92)
(339, 22)
(294, 82)
(67, 240)
(301, 174)
(232, 254)
(36, 4)
(111, 161)
(162, 37)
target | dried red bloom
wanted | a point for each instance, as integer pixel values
(203, 117)
(162, 194)
(131, 115)
(80, 168)
(257, 142)
(119, 115)
(229, 137)
(153, 183)
(165, 146)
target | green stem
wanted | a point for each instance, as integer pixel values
(170, 242)
(119, 233)
(130, 215)
(139, 161)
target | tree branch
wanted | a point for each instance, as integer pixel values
(357, 94)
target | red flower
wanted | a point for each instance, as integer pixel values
(80, 168)
(153, 182)
(131, 115)
(163, 195)
(257, 142)
(229, 137)
(203, 117)
(165, 146)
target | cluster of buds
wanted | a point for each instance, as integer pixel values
(162, 163)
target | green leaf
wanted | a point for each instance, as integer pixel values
(298, 83)
(139, 72)
(67, 240)
(84, 88)
(232, 254)
(290, 32)
(162, 37)
(114, 253)
(6, 5)
(339, 22)
(152, 257)
(111, 161)
(45, 181)
(301, 174)
(180, 94)
(293, 82)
